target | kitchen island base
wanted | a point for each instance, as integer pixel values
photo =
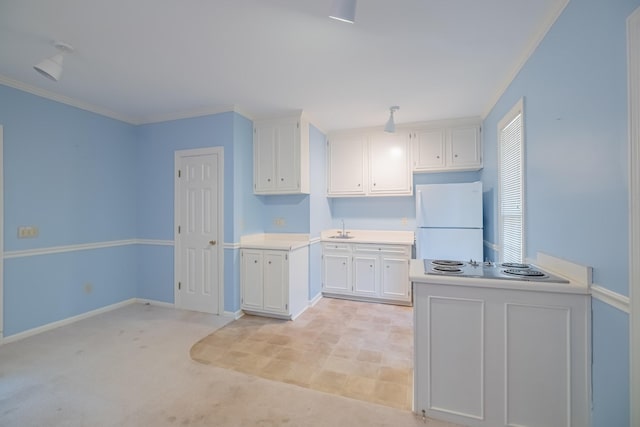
(497, 356)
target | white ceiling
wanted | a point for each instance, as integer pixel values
(150, 60)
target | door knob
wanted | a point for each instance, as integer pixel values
(212, 242)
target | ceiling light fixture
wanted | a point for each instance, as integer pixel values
(51, 67)
(391, 126)
(343, 10)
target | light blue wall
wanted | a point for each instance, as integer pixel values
(575, 92)
(72, 174)
(157, 144)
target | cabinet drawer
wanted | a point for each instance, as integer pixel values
(336, 247)
(384, 249)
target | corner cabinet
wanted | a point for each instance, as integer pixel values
(274, 283)
(281, 156)
(370, 272)
(447, 148)
(369, 163)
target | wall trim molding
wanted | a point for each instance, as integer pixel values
(67, 321)
(158, 118)
(155, 303)
(233, 245)
(84, 247)
(633, 114)
(313, 301)
(614, 299)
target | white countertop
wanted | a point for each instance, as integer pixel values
(277, 241)
(387, 237)
(418, 276)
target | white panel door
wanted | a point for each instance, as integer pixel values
(198, 211)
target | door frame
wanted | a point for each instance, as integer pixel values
(633, 87)
(1, 236)
(178, 156)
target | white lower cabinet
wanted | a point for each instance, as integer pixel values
(367, 271)
(274, 282)
(488, 357)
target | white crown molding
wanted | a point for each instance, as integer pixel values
(64, 99)
(533, 45)
(43, 93)
(189, 114)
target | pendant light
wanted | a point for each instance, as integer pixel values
(343, 10)
(51, 67)
(391, 125)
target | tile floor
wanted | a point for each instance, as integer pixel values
(354, 349)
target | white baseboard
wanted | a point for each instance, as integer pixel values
(67, 321)
(315, 299)
(235, 315)
(156, 303)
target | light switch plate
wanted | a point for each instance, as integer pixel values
(27, 232)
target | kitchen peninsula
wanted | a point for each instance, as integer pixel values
(491, 350)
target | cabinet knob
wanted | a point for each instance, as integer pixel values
(455, 155)
(268, 179)
(374, 184)
(255, 261)
(437, 157)
(281, 179)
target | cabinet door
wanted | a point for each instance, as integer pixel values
(335, 273)
(429, 149)
(365, 275)
(346, 169)
(251, 279)
(264, 161)
(465, 147)
(288, 156)
(395, 278)
(389, 170)
(275, 281)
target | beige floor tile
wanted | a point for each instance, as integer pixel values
(395, 375)
(329, 381)
(370, 356)
(358, 350)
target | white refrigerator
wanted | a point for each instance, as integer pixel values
(449, 221)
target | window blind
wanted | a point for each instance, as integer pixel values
(511, 191)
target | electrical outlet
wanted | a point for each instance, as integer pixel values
(404, 221)
(88, 288)
(27, 232)
(278, 222)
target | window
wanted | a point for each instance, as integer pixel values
(511, 187)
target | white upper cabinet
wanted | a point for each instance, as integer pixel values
(369, 163)
(450, 146)
(389, 160)
(346, 164)
(281, 156)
